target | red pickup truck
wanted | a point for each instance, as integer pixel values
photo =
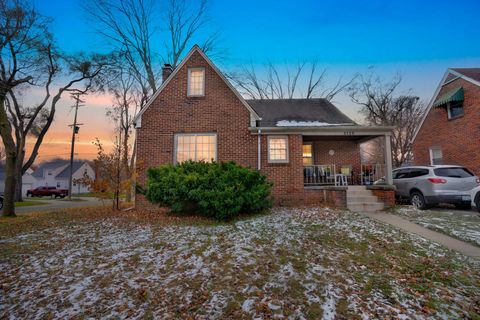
(47, 192)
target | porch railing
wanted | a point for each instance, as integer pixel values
(319, 174)
(372, 172)
(331, 174)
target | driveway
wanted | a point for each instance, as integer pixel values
(55, 204)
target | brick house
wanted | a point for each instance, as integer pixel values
(450, 130)
(307, 148)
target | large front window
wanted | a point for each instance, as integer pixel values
(196, 147)
(196, 82)
(278, 149)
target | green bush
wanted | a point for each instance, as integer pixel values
(217, 190)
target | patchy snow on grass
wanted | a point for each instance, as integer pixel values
(296, 263)
(460, 224)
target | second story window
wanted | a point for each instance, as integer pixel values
(196, 82)
(455, 109)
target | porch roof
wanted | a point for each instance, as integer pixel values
(355, 132)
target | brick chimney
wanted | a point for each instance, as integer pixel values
(166, 71)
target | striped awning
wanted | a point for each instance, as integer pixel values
(451, 96)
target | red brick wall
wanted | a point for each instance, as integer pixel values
(346, 152)
(220, 111)
(458, 138)
(386, 196)
(287, 177)
(326, 197)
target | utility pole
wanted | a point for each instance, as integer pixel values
(75, 129)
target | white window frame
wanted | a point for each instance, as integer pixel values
(175, 144)
(286, 147)
(188, 82)
(430, 151)
(449, 112)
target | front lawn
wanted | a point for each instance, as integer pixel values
(296, 263)
(460, 224)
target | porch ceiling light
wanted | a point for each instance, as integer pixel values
(331, 152)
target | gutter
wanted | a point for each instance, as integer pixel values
(335, 130)
(259, 149)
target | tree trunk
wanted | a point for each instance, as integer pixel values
(11, 157)
(19, 176)
(128, 191)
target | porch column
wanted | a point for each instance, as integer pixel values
(388, 159)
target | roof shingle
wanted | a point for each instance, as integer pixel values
(278, 112)
(472, 73)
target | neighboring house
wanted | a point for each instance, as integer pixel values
(27, 180)
(307, 148)
(450, 130)
(56, 173)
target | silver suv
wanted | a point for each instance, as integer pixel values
(427, 186)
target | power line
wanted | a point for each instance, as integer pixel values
(75, 128)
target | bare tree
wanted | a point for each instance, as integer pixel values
(29, 58)
(129, 25)
(306, 80)
(383, 105)
(126, 103)
(184, 22)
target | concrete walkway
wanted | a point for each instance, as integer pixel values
(449, 242)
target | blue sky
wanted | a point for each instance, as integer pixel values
(418, 39)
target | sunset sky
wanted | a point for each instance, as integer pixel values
(418, 39)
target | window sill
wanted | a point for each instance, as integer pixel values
(196, 97)
(273, 164)
(456, 117)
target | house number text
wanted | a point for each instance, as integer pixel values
(348, 133)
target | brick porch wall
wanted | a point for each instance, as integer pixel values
(386, 196)
(346, 153)
(458, 138)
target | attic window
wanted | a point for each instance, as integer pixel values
(455, 109)
(196, 82)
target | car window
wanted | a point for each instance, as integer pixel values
(51, 188)
(401, 174)
(417, 173)
(456, 172)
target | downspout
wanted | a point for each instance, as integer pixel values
(259, 149)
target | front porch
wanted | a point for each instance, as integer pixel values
(341, 161)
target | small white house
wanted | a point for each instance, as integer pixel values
(28, 181)
(56, 173)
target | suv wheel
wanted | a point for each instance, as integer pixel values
(477, 203)
(418, 200)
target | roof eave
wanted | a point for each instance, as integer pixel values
(332, 130)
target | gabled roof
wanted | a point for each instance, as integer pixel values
(50, 165)
(471, 75)
(65, 173)
(299, 113)
(57, 165)
(195, 48)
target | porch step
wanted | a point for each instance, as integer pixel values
(362, 198)
(365, 207)
(359, 199)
